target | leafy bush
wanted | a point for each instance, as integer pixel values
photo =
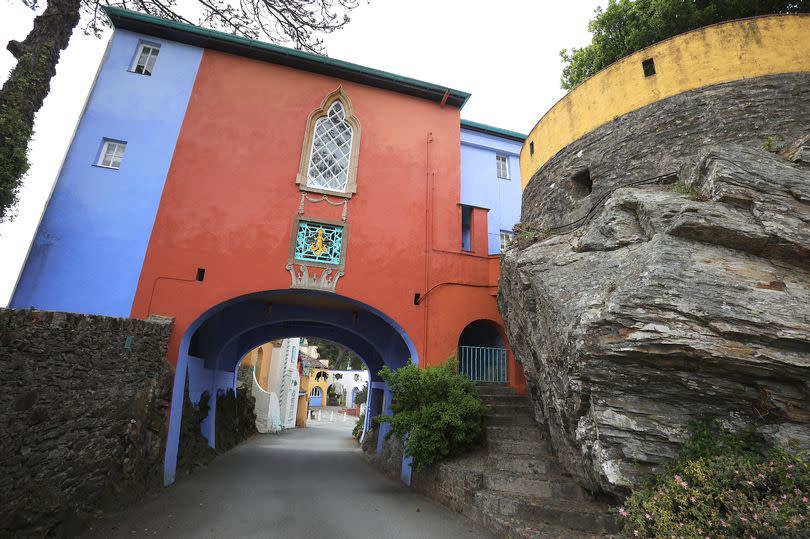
(437, 408)
(627, 26)
(362, 396)
(724, 484)
(690, 191)
(357, 431)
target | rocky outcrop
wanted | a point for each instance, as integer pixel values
(764, 112)
(669, 303)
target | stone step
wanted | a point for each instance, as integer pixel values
(587, 517)
(525, 465)
(528, 433)
(505, 399)
(513, 528)
(519, 447)
(522, 418)
(510, 408)
(527, 485)
(494, 389)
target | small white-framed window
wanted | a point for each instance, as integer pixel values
(112, 152)
(502, 163)
(145, 58)
(506, 239)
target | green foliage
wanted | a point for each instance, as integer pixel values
(690, 191)
(340, 358)
(724, 485)
(437, 408)
(529, 233)
(770, 144)
(357, 431)
(626, 26)
(362, 396)
(17, 100)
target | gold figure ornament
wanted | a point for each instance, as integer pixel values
(319, 247)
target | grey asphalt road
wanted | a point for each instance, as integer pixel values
(303, 483)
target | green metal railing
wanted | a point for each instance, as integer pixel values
(482, 364)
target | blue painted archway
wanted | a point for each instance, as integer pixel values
(212, 347)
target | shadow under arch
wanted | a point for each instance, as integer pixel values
(215, 343)
(483, 332)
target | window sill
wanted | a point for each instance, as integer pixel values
(107, 167)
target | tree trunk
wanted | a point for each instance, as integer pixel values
(25, 90)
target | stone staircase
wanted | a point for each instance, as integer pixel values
(514, 486)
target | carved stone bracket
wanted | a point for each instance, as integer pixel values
(303, 278)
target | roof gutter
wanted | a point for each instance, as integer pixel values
(490, 130)
(266, 52)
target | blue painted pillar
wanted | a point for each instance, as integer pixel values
(385, 428)
(175, 416)
(375, 391)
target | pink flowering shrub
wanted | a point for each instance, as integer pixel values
(723, 484)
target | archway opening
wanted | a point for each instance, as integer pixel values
(482, 355)
(213, 346)
(316, 397)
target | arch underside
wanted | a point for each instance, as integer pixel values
(212, 347)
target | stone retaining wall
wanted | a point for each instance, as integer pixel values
(85, 401)
(661, 137)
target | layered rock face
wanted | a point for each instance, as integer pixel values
(656, 139)
(665, 305)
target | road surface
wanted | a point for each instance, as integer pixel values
(304, 483)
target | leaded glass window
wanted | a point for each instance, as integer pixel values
(318, 242)
(331, 151)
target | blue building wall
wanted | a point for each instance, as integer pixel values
(88, 250)
(481, 187)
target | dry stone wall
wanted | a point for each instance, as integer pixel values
(84, 425)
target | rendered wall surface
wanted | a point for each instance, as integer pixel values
(715, 54)
(481, 187)
(234, 167)
(88, 250)
(84, 400)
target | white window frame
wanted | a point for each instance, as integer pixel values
(120, 145)
(135, 61)
(501, 158)
(508, 236)
(332, 122)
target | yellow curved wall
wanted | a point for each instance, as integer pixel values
(720, 53)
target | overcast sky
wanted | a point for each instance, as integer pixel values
(505, 53)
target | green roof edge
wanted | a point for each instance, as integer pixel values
(214, 39)
(490, 130)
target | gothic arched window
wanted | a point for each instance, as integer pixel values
(331, 145)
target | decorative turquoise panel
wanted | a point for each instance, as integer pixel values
(318, 242)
